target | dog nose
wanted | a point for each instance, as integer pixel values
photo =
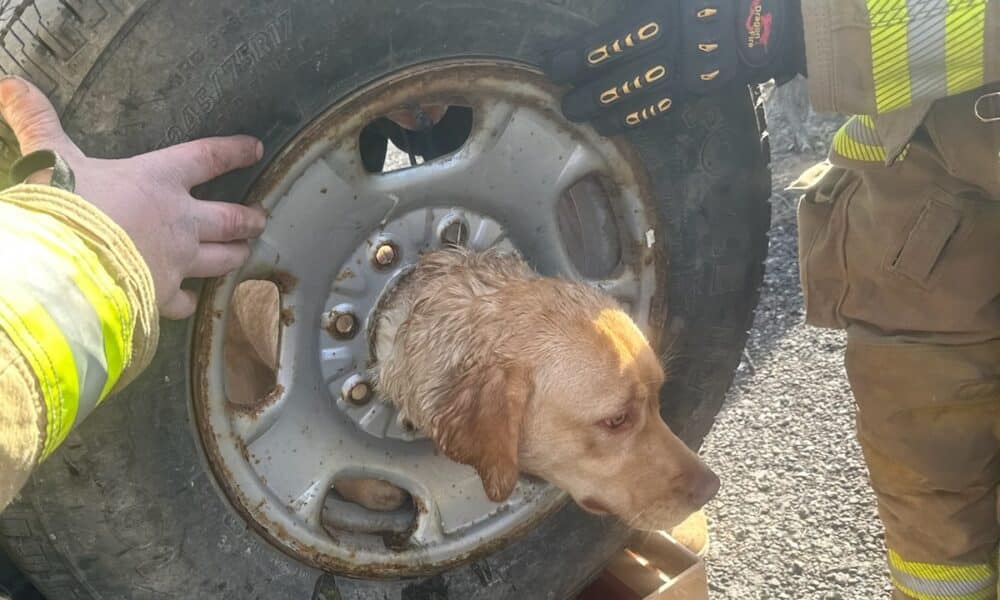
(704, 487)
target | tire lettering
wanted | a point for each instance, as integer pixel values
(246, 58)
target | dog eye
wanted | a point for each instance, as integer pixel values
(616, 421)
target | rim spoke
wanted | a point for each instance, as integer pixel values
(320, 211)
(456, 500)
(263, 260)
(338, 361)
(296, 473)
(429, 530)
(486, 234)
(250, 424)
(510, 149)
(309, 505)
(534, 163)
(624, 287)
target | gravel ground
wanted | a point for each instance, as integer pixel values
(795, 517)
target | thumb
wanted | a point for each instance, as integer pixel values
(32, 118)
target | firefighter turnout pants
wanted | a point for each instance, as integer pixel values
(905, 255)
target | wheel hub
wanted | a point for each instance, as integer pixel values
(360, 286)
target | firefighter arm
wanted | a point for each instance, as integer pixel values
(84, 281)
(78, 320)
(872, 57)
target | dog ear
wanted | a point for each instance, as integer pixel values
(481, 425)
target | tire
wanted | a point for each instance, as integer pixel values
(128, 508)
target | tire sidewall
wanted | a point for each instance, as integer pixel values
(130, 502)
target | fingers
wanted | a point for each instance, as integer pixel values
(181, 306)
(626, 38)
(203, 160)
(215, 260)
(212, 260)
(32, 118)
(227, 222)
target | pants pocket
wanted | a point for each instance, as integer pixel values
(822, 223)
(925, 243)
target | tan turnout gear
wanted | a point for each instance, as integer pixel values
(899, 242)
(907, 259)
(77, 321)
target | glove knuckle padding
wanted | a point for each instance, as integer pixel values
(708, 55)
(637, 33)
(627, 81)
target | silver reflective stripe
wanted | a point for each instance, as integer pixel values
(35, 269)
(926, 41)
(940, 588)
(862, 129)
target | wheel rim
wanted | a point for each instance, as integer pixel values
(506, 186)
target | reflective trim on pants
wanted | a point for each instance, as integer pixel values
(926, 581)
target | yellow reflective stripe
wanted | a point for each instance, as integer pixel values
(929, 581)
(965, 29)
(43, 345)
(848, 147)
(58, 300)
(890, 53)
(107, 299)
(986, 594)
(942, 572)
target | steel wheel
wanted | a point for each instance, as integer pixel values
(571, 202)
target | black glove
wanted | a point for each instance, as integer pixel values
(637, 67)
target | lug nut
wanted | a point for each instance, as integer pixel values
(345, 324)
(385, 255)
(360, 393)
(341, 323)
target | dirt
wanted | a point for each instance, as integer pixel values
(795, 517)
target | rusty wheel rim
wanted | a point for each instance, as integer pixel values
(338, 237)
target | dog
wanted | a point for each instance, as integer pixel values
(510, 372)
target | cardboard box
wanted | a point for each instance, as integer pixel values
(651, 567)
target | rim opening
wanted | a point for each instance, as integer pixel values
(372, 507)
(251, 344)
(589, 228)
(413, 135)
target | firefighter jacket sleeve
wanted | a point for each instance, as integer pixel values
(871, 57)
(78, 321)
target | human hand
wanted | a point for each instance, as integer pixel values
(149, 196)
(636, 68)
